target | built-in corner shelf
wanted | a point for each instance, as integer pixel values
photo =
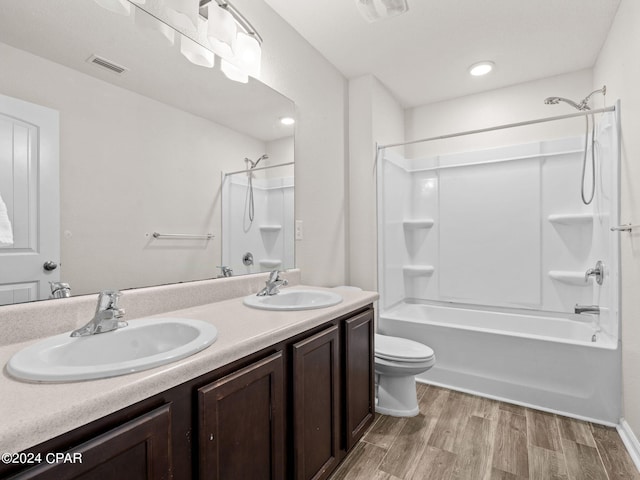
(571, 218)
(418, 270)
(570, 277)
(270, 228)
(418, 223)
(270, 262)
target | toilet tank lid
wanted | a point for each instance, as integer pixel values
(396, 348)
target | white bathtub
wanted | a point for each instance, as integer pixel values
(546, 362)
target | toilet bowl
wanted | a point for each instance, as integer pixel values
(397, 362)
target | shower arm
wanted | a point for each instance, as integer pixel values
(584, 104)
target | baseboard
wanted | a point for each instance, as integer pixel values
(630, 441)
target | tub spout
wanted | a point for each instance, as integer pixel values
(587, 309)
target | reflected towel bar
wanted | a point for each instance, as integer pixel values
(206, 236)
(624, 228)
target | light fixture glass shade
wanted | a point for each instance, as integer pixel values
(374, 10)
(221, 30)
(197, 52)
(145, 20)
(182, 14)
(248, 54)
(232, 72)
(123, 7)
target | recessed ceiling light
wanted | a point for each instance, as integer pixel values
(287, 121)
(481, 68)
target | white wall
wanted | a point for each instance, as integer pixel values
(294, 68)
(374, 116)
(129, 166)
(517, 103)
(618, 67)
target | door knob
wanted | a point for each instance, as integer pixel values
(50, 265)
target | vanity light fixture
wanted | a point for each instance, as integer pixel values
(194, 51)
(210, 27)
(481, 68)
(374, 10)
(182, 14)
(287, 120)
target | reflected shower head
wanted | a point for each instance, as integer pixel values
(255, 164)
(557, 100)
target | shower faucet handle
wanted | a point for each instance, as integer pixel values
(597, 272)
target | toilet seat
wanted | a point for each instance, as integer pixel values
(401, 350)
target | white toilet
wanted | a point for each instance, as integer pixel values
(397, 362)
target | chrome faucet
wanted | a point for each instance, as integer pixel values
(107, 316)
(273, 284)
(586, 309)
(60, 290)
(226, 271)
(597, 272)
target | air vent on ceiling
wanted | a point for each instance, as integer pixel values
(109, 65)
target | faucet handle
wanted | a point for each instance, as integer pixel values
(597, 272)
(108, 299)
(225, 270)
(274, 276)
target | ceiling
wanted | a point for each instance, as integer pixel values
(423, 56)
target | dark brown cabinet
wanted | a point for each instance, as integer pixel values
(241, 422)
(137, 450)
(359, 406)
(316, 408)
(289, 411)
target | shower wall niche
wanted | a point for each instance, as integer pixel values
(268, 238)
(500, 227)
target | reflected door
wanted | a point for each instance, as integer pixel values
(29, 187)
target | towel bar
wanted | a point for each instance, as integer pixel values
(206, 236)
(624, 228)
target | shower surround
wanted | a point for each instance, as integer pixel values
(482, 256)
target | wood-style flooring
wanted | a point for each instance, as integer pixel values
(458, 436)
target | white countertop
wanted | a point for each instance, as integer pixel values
(33, 413)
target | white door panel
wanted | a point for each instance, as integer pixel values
(29, 186)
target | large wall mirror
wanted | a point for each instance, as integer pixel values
(153, 149)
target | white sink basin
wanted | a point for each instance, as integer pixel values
(297, 299)
(141, 345)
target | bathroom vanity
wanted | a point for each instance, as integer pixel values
(279, 395)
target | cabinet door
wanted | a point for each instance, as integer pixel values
(241, 421)
(316, 385)
(137, 450)
(359, 376)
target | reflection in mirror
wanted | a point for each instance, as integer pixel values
(257, 217)
(139, 152)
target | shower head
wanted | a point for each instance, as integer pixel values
(255, 164)
(557, 100)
